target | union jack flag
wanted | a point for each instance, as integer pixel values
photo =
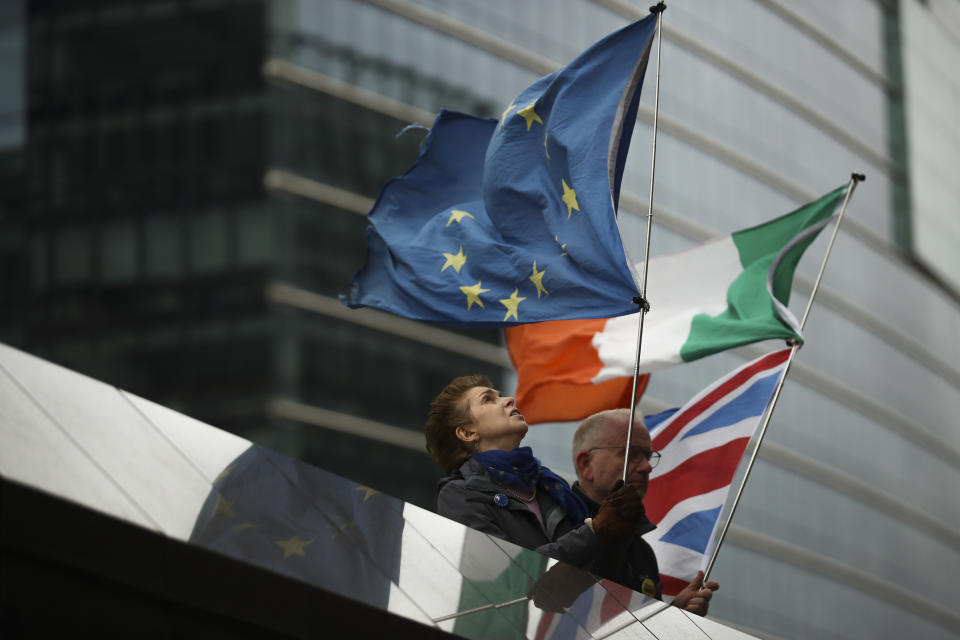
(701, 445)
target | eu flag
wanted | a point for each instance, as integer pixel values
(514, 221)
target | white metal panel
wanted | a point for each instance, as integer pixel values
(717, 631)
(208, 448)
(670, 622)
(35, 452)
(127, 448)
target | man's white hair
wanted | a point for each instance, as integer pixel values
(586, 434)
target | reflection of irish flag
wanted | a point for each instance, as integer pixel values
(722, 294)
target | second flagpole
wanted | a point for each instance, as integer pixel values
(641, 300)
(854, 179)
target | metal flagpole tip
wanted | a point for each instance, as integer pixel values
(660, 7)
(859, 177)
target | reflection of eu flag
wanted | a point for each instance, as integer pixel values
(292, 518)
(515, 222)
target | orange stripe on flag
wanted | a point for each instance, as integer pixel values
(556, 363)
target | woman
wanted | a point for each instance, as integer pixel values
(496, 486)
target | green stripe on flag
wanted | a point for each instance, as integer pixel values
(752, 314)
(510, 622)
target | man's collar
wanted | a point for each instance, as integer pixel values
(592, 505)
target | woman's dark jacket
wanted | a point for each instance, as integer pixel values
(472, 497)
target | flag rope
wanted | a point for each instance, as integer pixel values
(854, 179)
(641, 300)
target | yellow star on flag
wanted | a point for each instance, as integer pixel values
(244, 526)
(528, 114)
(344, 527)
(367, 491)
(569, 198)
(512, 304)
(458, 216)
(224, 507)
(294, 546)
(473, 294)
(545, 150)
(334, 530)
(537, 279)
(455, 260)
(506, 112)
(563, 246)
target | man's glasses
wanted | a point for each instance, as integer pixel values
(636, 455)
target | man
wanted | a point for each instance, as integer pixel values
(598, 450)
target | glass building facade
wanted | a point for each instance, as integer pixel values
(187, 199)
(151, 240)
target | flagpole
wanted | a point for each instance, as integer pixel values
(641, 300)
(854, 179)
(485, 607)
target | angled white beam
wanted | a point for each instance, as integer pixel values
(485, 352)
(720, 150)
(542, 65)
(279, 180)
(856, 579)
(746, 75)
(283, 71)
(346, 423)
(384, 322)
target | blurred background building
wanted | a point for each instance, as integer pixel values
(184, 186)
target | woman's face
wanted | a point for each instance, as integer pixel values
(497, 424)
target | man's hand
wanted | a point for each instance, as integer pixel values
(618, 513)
(695, 597)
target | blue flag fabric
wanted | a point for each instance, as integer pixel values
(510, 222)
(289, 517)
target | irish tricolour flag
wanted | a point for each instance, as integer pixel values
(721, 294)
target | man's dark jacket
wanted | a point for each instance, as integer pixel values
(640, 572)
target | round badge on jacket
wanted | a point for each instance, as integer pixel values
(500, 500)
(648, 588)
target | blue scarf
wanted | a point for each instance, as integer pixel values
(520, 470)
